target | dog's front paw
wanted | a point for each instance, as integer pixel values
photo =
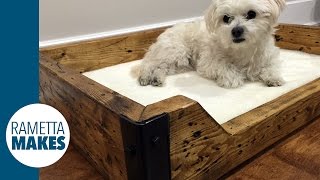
(274, 82)
(156, 81)
(144, 80)
(230, 83)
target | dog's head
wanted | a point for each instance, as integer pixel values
(242, 22)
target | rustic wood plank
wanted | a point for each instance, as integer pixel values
(294, 100)
(96, 54)
(198, 143)
(194, 136)
(93, 90)
(166, 106)
(95, 129)
(299, 37)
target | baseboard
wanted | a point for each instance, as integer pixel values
(312, 23)
(68, 40)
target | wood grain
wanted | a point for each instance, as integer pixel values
(299, 37)
(305, 99)
(194, 135)
(95, 129)
(108, 98)
(96, 54)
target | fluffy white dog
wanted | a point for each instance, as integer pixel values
(233, 43)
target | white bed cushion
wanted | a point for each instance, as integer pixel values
(222, 104)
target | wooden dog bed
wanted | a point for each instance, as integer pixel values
(175, 138)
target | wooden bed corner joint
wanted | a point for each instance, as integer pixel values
(147, 148)
(116, 141)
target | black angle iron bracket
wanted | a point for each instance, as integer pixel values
(147, 148)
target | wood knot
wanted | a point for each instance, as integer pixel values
(196, 134)
(278, 38)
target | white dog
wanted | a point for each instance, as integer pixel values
(233, 43)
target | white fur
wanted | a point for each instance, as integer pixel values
(207, 46)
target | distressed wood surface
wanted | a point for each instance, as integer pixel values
(305, 98)
(108, 98)
(298, 37)
(200, 148)
(95, 129)
(197, 142)
(96, 54)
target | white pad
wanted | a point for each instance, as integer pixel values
(222, 104)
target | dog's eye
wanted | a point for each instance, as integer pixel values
(226, 18)
(251, 15)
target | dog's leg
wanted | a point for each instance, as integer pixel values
(225, 74)
(162, 60)
(153, 74)
(271, 76)
(229, 76)
(145, 73)
(158, 76)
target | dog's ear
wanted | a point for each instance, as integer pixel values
(209, 17)
(276, 6)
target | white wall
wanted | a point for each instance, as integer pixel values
(64, 21)
(66, 18)
(301, 12)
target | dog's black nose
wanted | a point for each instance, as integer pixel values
(237, 31)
